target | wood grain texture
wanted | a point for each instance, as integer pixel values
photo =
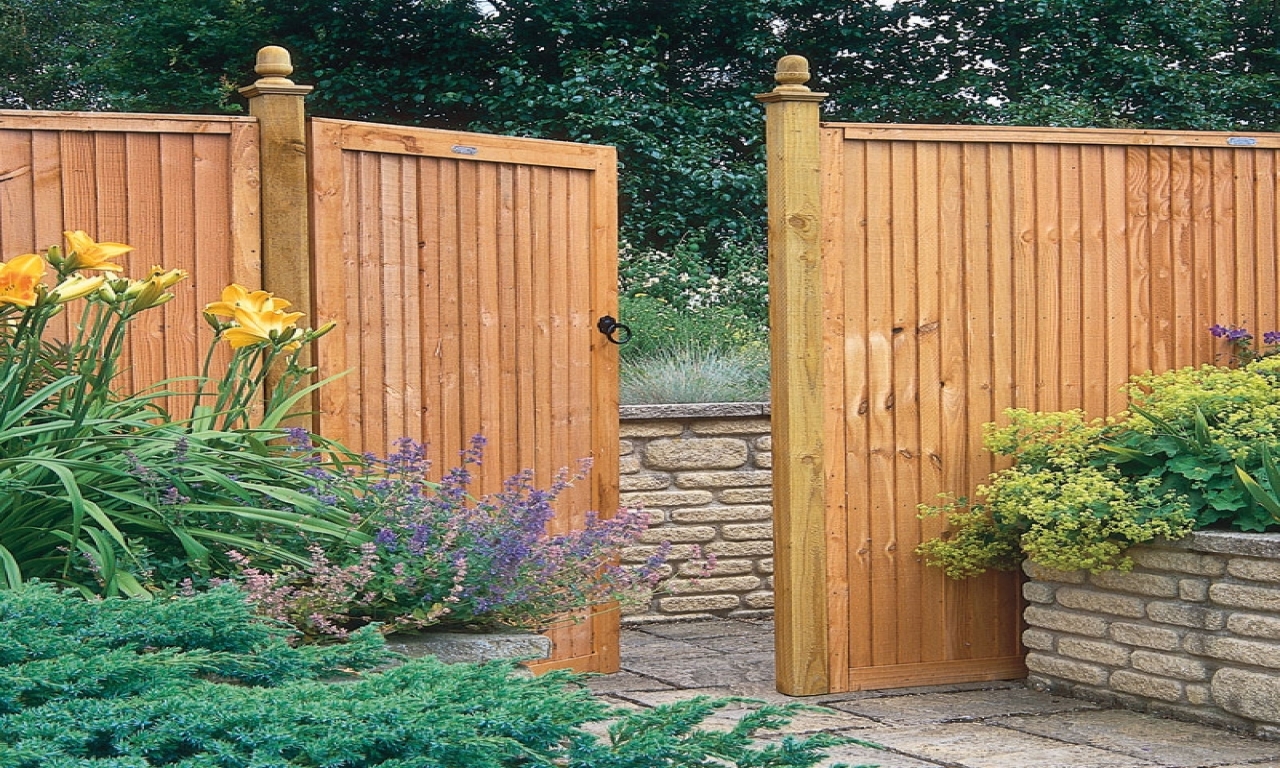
(972, 270)
(468, 287)
(182, 190)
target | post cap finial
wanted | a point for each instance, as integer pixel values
(792, 71)
(274, 64)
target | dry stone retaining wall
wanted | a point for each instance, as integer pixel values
(1193, 631)
(704, 474)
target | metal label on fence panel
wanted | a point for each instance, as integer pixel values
(459, 149)
(1242, 141)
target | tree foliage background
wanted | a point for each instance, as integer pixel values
(669, 82)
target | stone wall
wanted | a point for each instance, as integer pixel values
(1192, 632)
(703, 473)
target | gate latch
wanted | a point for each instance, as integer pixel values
(613, 330)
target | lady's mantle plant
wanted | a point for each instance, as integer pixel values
(441, 556)
(1193, 450)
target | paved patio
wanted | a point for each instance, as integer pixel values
(982, 725)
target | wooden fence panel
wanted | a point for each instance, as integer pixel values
(469, 272)
(973, 270)
(182, 190)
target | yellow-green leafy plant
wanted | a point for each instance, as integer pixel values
(1193, 450)
(107, 490)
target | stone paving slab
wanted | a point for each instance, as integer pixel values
(976, 745)
(1170, 743)
(922, 708)
(970, 725)
(706, 671)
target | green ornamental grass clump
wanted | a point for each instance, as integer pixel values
(200, 682)
(1194, 450)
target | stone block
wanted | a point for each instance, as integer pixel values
(1254, 569)
(1067, 669)
(728, 514)
(747, 496)
(1198, 695)
(758, 600)
(1176, 560)
(750, 532)
(711, 584)
(764, 443)
(1249, 694)
(1038, 591)
(1065, 621)
(640, 553)
(765, 565)
(1246, 596)
(748, 477)
(1255, 652)
(740, 548)
(644, 482)
(650, 428)
(1184, 615)
(1041, 573)
(730, 426)
(1193, 590)
(1254, 625)
(1145, 636)
(696, 453)
(1038, 639)
(1098, 652)
(1147, 686)
(697, 603)
(629, 465)
(764, 460)
(1102, 602)
(625, 447)
(1170, 665)
(679, 534)
(1153, 584)
(472, 647)
(666, 498)
(723, 568)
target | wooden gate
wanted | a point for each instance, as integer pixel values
(470, 272)
(926, 278)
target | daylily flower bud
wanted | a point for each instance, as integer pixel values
(107, 293)
(75, 287)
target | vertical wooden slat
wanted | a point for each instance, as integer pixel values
(841, 205)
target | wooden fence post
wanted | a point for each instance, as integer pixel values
(278, 104)
(792, 132)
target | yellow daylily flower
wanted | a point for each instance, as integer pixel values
(19, 279)
(256, 327)
(85, 253)
(75, 287)
(236, 296)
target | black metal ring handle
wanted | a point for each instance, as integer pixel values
(609, 325)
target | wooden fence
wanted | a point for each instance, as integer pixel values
(182, 190)
(466, 272)
(927, 278)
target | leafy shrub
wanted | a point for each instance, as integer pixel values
(199, 681)
(440, 556)
(695, 373)
(715, 353)
(1193, 451)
